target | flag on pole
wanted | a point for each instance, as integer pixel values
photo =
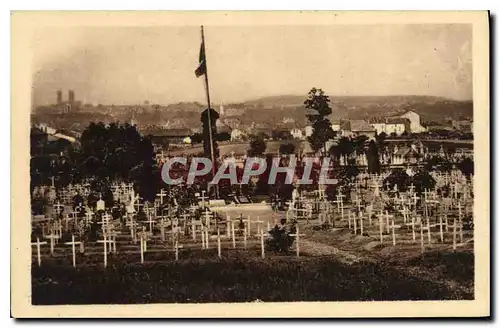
(202, 67)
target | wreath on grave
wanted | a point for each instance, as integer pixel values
(280, 240)
(468, 223)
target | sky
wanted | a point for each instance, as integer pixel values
(121, 65)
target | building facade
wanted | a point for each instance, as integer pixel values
(414, 118)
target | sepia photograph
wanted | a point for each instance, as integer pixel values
(254, 159)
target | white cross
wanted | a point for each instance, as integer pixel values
(411, 188)
(132, 225)
(73, 243)
(105, 242)
(52, 238)
(297, 247)
(162, 226)
(207, 218)
(144, 235)
(193, 224)
(232, 233)
(112, 240)
(415, 199)
(262, 234)
(218, 244)
(105, 221)
(381, 226)
(405, 211)
(161, 195)
(57, 207)
(440, 224)
(150, 221)
(88, 217)
(142, 246)
(38, 243)
(259, 222)
(177, 246)
(393, 227)
(57, 228)
(358, 202)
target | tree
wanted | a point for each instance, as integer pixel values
(466, 166)
(116, 152)
(348, 173)
(380, 137)
(334, 152)
(214, 116)
(373, 158)
(287, 149)
(318, 109)
(197, 138)
(359, 143)
(257, 147)
(223, 136)
(397, 177)
(422, 181)
(262, 185)
(438, 163)
(346, 148)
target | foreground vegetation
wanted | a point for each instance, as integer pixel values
(239, 279)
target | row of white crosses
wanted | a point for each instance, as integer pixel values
(407, 207)
(54, 234)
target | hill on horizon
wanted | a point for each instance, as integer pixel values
(431, 108)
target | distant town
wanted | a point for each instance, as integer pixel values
(277, 118)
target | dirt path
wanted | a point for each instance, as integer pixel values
(320, 249)
(352, 257)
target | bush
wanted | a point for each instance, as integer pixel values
(423, 180)
(280, 240)
(397, 177)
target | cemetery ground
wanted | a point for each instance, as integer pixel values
(333, 265)
(368, 244)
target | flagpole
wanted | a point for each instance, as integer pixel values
(209, 110)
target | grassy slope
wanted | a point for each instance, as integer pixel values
(237, 278)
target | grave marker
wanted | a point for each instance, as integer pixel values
(73, 243)
(105, 242)
(297, 246)
(177, 246)
(38, 243)
(218, 244)
(161, 195)
(262, 248)
(422, 247)
(381, 227)
(233, 235)
(52, 238)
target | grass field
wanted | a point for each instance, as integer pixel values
(243, 277)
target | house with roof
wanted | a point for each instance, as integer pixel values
(405, 155)
(297, 133)
(391, 125)
(166, 136)
(356, 128)
(415, 126)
